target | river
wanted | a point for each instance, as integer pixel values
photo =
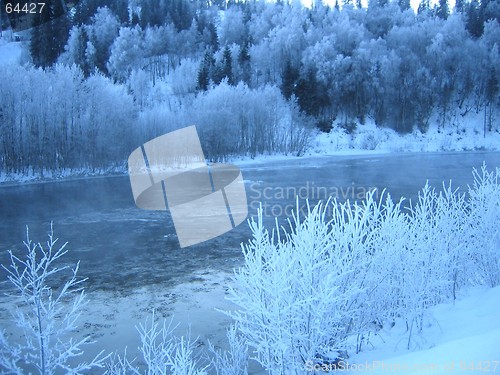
(132, 258)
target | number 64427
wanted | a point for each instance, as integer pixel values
(27, 8)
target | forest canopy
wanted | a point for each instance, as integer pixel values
(133, 69)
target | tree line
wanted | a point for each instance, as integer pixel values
(57, 120)
(329, 65)
(385, 61)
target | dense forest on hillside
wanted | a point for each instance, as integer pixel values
(254, 76)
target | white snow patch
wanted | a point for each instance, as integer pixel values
(11, 53)
(464, 134)
(63, 175)
(461, 338)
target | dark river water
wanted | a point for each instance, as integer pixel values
(122, 247)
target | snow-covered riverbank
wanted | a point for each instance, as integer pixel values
(465, 135)
(460, 338)
(366, 140)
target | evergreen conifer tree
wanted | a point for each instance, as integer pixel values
(443, 10)
(49, 34)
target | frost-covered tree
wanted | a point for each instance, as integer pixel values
(126, 53)
(385, 62)
(102, 32)
(76, 49)
(232, 28)
(68, 126)
(45, 316)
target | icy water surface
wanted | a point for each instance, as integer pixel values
(122, 247)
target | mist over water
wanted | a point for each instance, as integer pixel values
(122, 247)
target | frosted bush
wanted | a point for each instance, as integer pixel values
(346, 269)
(233, 361)
(308, 292)
(162, 353)
(371, 137)
(302, 288)
(484, 227)
(336, 139)
(387, 261)
(430, 258)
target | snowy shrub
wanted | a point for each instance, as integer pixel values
(119, 365)
(430, 261)
(386, 252)
(46, 317)
(450, 238)
(483, 226)
(253, 121)
(162, 353)
(336, 139)
(235, 360)
(300, 289)
(308, 292)
(303, 291)
(371, 137)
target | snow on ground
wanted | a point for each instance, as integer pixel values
(64, 174)
(460, 338)
(465, 134)
(368, 139)
(11, 52)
